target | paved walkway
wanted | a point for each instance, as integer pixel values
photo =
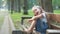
(7, 26)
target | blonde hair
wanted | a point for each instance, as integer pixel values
(38, 8)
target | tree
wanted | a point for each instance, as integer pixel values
(25, 7)
(16, 5)
(8, 2)
(12, 6)
(47, 5)
(19, 10)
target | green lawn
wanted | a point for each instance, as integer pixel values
(57, 11)
(16, 17)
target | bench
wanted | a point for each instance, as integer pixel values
(52, 31)
(50, 17)
(24, 17)
(54, 24)
(54, 21)
(25, 27)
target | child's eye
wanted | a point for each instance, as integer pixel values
(35, 10)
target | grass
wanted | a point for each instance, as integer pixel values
(57, 11)
(16, 17)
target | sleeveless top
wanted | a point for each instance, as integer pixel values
(41, 24)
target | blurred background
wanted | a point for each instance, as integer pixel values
(18, 8)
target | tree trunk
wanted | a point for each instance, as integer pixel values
(8, 2)
(41, 3)
(12, 6)
(19, 8)
(16, 5)
(47, 5)
(25, 8)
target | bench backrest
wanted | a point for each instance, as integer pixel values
(53, 18)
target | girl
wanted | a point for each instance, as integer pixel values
(38, 21)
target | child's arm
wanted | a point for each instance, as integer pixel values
(30, 29)
(32, 25)
(36, 17)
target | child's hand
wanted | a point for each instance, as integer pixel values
(30, 20)
(28, 31)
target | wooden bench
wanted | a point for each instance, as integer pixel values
(52, 31)
(25, 27)
(54, 21)
(50, 17)
(54, 24)
(24, 17)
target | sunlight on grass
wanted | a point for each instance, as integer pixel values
(57, 11)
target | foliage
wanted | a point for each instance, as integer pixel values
(56, 3)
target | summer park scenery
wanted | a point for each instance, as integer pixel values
(15, 13)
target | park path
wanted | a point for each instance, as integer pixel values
(5, 26)
(8, 25)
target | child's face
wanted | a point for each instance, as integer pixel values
(36, 11)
